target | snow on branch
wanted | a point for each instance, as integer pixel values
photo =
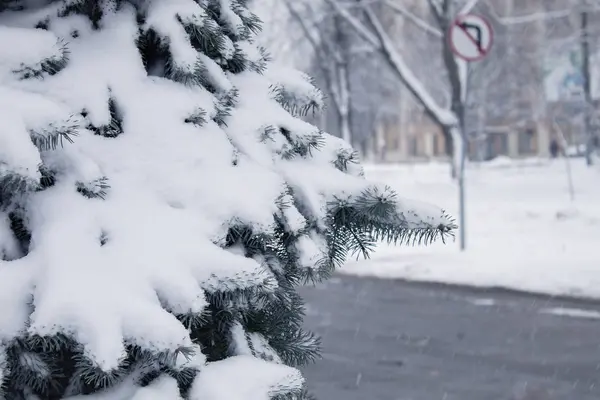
(381, 41)
(243, 378)
(469, 5)
(294, 90)
(413, 18)
(399, 220)
(164, 18)
(529, 18)
(356, 24)
(437, 7)
(44, 53)
(442, 116)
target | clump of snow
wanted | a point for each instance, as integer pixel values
(311, 249)
(129, 388)
(233, 21)
(295, 221)
(195, 360)
(215, 73)
(163, 16)
(164, 387)
(244, 378)
(41, 45)
(514, 238)
(571, 312)
(263, 349)
(9, 248)
(250, 50)
(483, 302)
(17, 153)
(239, 343)
(17, 279)
(296, 84)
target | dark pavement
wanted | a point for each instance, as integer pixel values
(392, 340)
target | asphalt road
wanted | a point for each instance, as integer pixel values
(392, 340)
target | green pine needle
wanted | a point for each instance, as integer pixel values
(47, 67)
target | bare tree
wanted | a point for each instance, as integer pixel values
(331, 56)
(361, 16)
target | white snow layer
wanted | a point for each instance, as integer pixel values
(115, 271)
(523, 232)
(571, 312)
(245, 378)
(235, 378)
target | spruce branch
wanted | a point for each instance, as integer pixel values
(298, 105)
(224, 106)
(49, 66)
(150, 376)
(377, 215)
(235, 292)
(37, 371)
(250, 21)
(13, 185)
(4, 370)
(301, 145)
(48, 178)
(43, 344)
(214, 9)
(302, 394)
(54, 135)
(152, 48)
(260, 65)
(115, 127)
(198, 118)
(238, 62)
(206, 37)
(193, 321)
(93, 377)
(18, 227)
(196, 75)
(95, 189)
(296, 347)
(184, 377)
(345, 157)
(267, 133)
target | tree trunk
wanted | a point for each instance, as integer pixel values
(587, 88)
(343, 71)
(457, 90)
(344, 106)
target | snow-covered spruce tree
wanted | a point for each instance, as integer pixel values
(160, 201)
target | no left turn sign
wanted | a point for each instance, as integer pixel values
(471, 37)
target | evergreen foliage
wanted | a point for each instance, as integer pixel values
(160, 206)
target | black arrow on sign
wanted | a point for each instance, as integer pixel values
(468, 28)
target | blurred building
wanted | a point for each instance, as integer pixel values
(527, 92)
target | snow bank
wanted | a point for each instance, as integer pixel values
(522, 230)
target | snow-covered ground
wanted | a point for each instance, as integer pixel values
(523, 231)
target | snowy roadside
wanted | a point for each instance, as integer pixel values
(523, 232)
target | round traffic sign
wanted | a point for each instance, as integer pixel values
(471, 37)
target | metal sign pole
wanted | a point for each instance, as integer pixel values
(471, 39)
(463, 158)
(461, 199)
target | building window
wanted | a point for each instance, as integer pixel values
(526, 142)
(497, 145)
(412, 146)
(396, 142)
